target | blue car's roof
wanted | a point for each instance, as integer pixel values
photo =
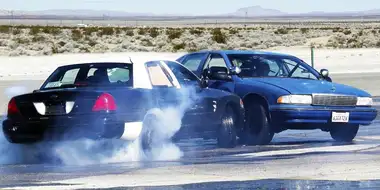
(246, 52)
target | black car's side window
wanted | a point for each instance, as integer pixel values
(157, 75)
(183, 75)
(193, 61)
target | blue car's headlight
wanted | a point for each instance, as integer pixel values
(295, 99)
(364, 101)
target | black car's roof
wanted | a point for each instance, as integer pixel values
(96, 64)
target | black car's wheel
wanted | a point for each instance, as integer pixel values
(227, 131)
(258, 129)
(147, 133)
(344, 133)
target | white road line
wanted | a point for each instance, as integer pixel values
(343, 148)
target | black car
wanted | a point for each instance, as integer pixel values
(119, 100)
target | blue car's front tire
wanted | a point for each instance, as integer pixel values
(258, 127)
(344, 132)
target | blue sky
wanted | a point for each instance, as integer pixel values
(193, 7)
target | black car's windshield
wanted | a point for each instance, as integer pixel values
(253, 65)
(90, 75)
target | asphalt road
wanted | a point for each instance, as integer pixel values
(295, 160)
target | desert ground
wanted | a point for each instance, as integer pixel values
(17, 40)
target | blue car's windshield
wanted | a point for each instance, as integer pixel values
(253, 65)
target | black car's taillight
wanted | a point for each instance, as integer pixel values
(12, 107)
(105, 102)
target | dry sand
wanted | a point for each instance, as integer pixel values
(39, 67)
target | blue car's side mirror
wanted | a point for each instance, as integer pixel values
(235, 71)
(325, 75)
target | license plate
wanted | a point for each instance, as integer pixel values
(54, 110)
(340, 117)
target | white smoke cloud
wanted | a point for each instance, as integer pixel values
(87, 152)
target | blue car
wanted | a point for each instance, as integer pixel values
(282, 92)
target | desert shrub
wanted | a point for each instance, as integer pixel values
(153, 32)
(5, 29)
(16, 31)
(146, 42)
(233, 31)
(196, 31)
(282, 31)
(61, 43)
(76, 34)
(142, 31)
(337, 29)
(22, 40)
(218, 36)
(378, 44)
(347, 32)
(180, 46)
(129, 33)
(106, 31)
(38, 38)
(90, 30)
(34, 30)
(360, 33)
(304, 30)
(173, 33)
(51, 30)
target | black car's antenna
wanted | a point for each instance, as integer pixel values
(130, 59)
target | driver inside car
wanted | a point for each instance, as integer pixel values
(100, 76)
(262, 69)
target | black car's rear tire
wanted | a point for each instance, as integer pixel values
(344, 133)
(148, 133)
(151, 137)
(258, 128)
(15, 140)
(227, 131)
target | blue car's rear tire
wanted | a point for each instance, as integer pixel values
(258, 128)
(344, 132)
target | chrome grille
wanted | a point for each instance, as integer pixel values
(334, 100)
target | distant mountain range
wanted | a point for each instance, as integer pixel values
(253, 11)
(257, 11)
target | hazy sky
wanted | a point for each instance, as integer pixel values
(191, 6)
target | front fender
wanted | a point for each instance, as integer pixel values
(269, 92)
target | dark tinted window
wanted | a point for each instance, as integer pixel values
(90, 75)
(183, 75)
(253, 65)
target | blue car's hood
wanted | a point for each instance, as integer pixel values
(306, 86)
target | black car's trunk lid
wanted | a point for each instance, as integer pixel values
(56, 102)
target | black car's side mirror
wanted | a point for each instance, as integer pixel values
(218, 73)
(203, 83)
(325, 75)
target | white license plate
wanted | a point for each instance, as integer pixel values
(340, 117)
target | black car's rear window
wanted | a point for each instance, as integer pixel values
(90, 75)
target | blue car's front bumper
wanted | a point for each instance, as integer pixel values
(292, 114)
